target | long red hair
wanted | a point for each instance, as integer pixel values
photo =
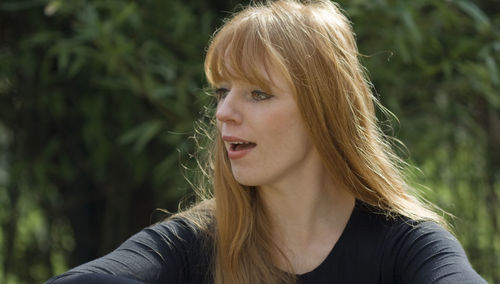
(312, 45)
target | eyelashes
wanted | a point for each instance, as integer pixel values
(259, 95)
(220, 93)
(256, 95)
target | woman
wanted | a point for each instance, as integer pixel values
(306, 189)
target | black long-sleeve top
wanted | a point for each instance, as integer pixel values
(372, 249)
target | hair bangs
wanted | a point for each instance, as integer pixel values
(241, 52)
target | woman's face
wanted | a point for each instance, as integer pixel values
(263, 133)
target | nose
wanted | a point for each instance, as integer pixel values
(228, 109)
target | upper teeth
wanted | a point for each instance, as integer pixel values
(240, 142)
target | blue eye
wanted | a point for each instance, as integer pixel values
(221, 93)
(258, 95)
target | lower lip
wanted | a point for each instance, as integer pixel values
(233, 155)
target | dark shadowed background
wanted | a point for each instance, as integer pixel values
(98, 100)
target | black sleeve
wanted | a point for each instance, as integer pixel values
(96, 278)
(157, 254)
(427, 253)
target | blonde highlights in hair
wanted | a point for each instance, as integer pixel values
(311, 44)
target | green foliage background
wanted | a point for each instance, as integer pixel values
(98, 100)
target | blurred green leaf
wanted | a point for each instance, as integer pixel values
(141, 135)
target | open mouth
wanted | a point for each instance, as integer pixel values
(238, 146)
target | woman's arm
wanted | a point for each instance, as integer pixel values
(162, 253)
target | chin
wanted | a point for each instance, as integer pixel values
(246, 180)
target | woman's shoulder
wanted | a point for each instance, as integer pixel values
(394, 223)
(183, 227)
(189, 232)
(409, 251)
(399, 233)
(426, 252)
(197, 222)
(418, 251)
(178, 232)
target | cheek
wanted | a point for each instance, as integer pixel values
(287, 128)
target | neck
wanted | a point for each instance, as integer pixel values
(308, 213)
(304, 208)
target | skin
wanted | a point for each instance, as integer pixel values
(308, 210)
(272, 121)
